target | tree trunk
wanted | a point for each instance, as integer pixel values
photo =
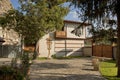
(35, 54)
(118, 35)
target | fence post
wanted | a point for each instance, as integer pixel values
(95, 62)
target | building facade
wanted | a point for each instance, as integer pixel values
(64, 42)
(5, 5)
(10, 37)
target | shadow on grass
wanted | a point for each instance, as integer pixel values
(110, 61)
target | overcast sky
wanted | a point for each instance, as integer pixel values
(72, 15)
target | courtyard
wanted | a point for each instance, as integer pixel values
(69, 69)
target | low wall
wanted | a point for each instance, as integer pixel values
(87, 51)
(114, 52)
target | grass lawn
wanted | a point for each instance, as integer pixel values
(66, 57)
(108, 70)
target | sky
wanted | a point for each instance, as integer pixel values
(72, 15)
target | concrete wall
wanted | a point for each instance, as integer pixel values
(87, 51)
(114, 52)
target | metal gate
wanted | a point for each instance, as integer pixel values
(103, 51)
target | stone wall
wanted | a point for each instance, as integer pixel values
(5, 5)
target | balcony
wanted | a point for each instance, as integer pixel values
(60, 34)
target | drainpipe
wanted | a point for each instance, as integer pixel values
(65, 48)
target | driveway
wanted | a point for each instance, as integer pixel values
(73, 69)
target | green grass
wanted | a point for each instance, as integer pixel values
(66, 57)
(109, 70)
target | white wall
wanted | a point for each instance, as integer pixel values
(71, 27)
(43, 51)
(74, 47)
(88, 34)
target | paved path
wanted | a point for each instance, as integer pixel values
(74, 69)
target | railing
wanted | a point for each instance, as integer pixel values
(60, 34)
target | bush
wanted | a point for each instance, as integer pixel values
(9, 73)
(25, 64)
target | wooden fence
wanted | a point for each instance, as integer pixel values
(102, 51)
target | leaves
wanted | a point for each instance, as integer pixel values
(99, 13)
(35, 18)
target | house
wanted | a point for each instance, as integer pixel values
(9, 39)
(64, 43)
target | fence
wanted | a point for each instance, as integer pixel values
(106, 51)
(9, 51)
(103, 51)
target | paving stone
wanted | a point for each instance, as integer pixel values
(73, 69)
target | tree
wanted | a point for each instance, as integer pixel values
(47, 15)
(36, 18)
(106, 34)
(95, 11)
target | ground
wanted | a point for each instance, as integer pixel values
(72, 69)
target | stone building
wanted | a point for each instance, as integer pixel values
(10, 37)
(5, 5)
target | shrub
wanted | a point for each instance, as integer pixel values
(9, 73)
